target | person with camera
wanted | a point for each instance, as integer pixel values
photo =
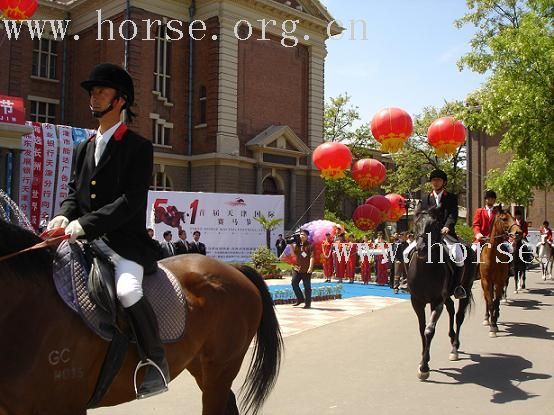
(302, 271)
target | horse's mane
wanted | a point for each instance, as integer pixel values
(14, 238)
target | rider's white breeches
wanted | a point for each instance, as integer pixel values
(454, 250)
(128, 276)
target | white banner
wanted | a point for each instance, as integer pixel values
(26, 171)
(65, 135)
(49, 169)
(226, 221)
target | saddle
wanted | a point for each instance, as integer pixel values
(84, 279)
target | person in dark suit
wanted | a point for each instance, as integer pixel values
(168, 247)
(107, 202)
(447, 203)
(197, 247)
(280, 244)
(159, 255)
(182, 246)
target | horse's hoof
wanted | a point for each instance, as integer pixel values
(492, 334)
(486, 322)
(516, 292)
(422, 375)
(453, 357)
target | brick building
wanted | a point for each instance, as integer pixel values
(483, 155)
(225, 115)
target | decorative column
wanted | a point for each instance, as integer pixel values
(227, 113)
(292, 196)
(316, 95)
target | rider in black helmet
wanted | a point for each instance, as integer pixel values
(107, 203)
(448, 204)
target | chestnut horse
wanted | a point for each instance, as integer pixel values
(494, 263)
(50, 360)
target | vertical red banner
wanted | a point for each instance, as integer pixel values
(36, 189)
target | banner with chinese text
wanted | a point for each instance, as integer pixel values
(65, 135)
(226, 221)
(49, 170)
(36, 189)
(26, 172)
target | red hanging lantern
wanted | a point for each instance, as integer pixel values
(398, 206)
(332, 159)
(368, 173)
(392, 127)
(446, 135)
(381, 203)
(366, 217)
(18, 9)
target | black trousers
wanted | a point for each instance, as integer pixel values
(306, 280)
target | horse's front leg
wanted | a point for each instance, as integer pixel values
(451, 333)
(436, 311)
(495, 311)
(419, 308)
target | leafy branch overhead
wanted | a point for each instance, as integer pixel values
(514, 43)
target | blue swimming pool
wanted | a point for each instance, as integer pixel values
(349, 290)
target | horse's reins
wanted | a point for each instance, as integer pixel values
(50, 238)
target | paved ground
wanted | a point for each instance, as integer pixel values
(362, 362)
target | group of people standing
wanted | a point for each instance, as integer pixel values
(340, 268)
(167, 248)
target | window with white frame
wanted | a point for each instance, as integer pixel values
(43, 111)
(162, 78)
(161, 181)
(161, 132)
(45, 58)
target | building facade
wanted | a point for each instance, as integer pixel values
(483, 155)
(230, 102)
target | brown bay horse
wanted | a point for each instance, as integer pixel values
(50, 360)
(494, 265)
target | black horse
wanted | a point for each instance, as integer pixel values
(431, 281)
(523, 256)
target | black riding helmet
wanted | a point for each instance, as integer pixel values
(112, 76)
(490, 194)
(438, 174)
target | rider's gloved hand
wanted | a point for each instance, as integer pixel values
(57, 222)
(445, 230)
(479, 236)
(74, 230)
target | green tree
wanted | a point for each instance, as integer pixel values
(268, 225)
(514, 44)
(340, 117)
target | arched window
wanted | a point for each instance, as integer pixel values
(270, 187)
(161, 181)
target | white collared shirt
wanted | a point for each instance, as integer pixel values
(102, 141)
(438, 197)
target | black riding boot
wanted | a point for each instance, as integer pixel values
(146, 328)
(459, 291)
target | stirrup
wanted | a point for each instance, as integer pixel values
(145, 363)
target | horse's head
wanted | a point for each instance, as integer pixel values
(505, 224)
(428, 227)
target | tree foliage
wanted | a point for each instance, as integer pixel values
(514, 44)
(340, 117)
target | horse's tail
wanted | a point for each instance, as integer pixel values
(266, 358)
